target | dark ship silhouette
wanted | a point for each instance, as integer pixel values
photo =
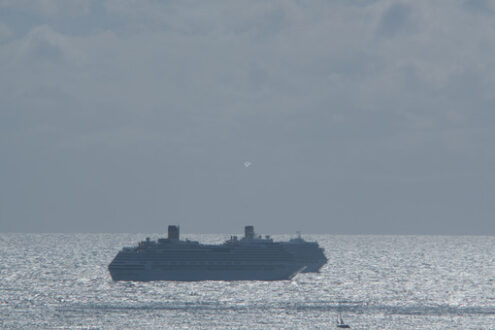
(249, 258)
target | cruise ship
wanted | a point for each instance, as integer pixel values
(249, 258)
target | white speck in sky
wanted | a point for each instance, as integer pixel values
(247, 164)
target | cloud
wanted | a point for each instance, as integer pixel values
(252, 58)
(335, 89)
(5, 31)
(480, 6)
(43, 43)
(50, 8)
(397, 18)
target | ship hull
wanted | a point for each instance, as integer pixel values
(201, 275)
(145, 276)
(204, 264)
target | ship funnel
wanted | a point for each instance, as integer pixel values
(249, 232)
(173, 232)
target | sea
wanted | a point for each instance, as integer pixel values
(61, 281)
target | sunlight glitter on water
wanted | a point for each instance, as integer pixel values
(61, 280)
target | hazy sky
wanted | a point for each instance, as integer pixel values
(357, 116)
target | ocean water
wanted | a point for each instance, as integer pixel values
(386, 282)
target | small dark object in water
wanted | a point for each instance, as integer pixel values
(341, 324)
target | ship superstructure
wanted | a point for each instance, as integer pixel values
(309, 254)
(249, 258)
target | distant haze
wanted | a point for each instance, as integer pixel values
(355, 117)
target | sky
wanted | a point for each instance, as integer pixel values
(356, 116)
